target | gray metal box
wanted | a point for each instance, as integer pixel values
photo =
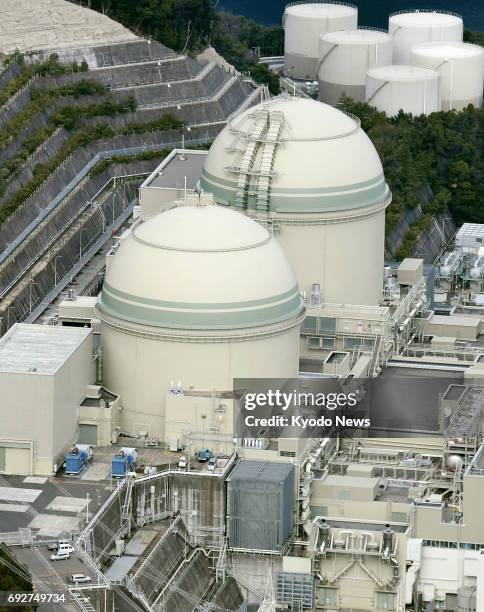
(260, 504)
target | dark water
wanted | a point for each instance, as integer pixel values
(371, 12)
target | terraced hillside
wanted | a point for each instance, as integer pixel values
(79, 131)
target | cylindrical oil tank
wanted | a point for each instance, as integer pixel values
(197, 296)
(410, 28)
(409, 88)
(345, 58)
(461, 71)
(325, 198)
(303, 23)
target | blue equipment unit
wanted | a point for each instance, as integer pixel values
(123, 462)
(77, 459)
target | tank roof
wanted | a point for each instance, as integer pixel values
(321, 9)
(362, 35)
(425, 18)
(448, 49)
(402, 73)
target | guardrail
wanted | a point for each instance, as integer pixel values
(74, 183)
(428, 10)
(221, 89)
(69, 276)
(197, 77)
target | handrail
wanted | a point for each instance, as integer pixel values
(197, 77)
(427, 10)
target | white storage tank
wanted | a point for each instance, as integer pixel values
(409, 28)
(461, 71)
(195, 297)
(409, 88)
(315, 176)
(345, 58)
(303, 23)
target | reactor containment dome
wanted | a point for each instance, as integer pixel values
(303, 23)
(198, 294)
(314, 174)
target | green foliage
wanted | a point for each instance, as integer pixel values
(165, 122)
(193, 24)
(122, 159)
(41, 99)
(179, 24)
(261, 74)
(70, 116)
(476, 38)
(410, 241)
(235, 36)
(436, 161)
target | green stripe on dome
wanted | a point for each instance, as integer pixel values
(304, 200)
(184, 315)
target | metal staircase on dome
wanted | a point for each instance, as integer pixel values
(268, 154)
(261, 143)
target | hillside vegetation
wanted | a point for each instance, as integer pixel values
(191, 25)
(443, 151)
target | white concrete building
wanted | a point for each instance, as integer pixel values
(44, 372)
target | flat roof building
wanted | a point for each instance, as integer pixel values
(44, 372)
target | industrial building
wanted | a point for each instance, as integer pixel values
(44, 375)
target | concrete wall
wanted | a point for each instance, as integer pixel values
(141, 370)
(187, 413)
(69, 389)
(106, 420)
(428, 520)
(447, 569)
(373, 511)
(154, 200)
(26, 404)
(345, 256)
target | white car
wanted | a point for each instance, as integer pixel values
(80, 579)
(69, 548)
(182, 462)
(212, 464)
(60, 556)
